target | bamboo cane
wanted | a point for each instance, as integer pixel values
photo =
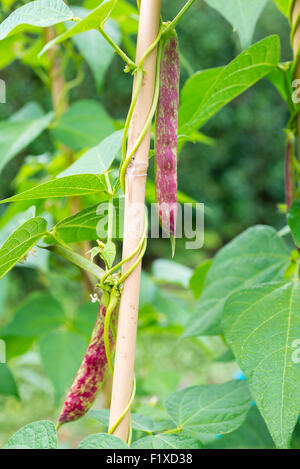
(134, 221)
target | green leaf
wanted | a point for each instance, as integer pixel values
(198, 277)
(92, 21)
(215, 408)
(16, 346)
(62, 353)
(36, 435)
(38, 314)
(98, 159)
(90, 223)
(258, 255)
(108, 253)
(20, 242)
(294, 220)
(167, 442)
(262, 326)
(81, 184)
(102, 441)
(252, 434)
(31, 110)
(205, 93)
(17, 220)
(283, 6)
(241, 14)
(41, 13)
(17, 135)
(8, 384)
(84, 125)
(171, 272)
(36, 259)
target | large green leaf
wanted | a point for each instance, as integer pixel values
(81, 184)
(85, 225)
(98, 159)
(36, 435)
(36, 259)
(213, 409)
(167, 442)
(84, 125)
(62, 353)
(252, 434)
(16, 346)
(205, 93)
(262, 326)
(20, 242)
(18, 134)
(41, 13)
(11, 225)
(39, 314)
(294, 220)
(283, 6)
(102, 441)
(91, 21)
(258, 255)
(8, 384)
(242, 14)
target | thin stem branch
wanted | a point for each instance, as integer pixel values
(117, 49)
(178, 17)
(78, 260)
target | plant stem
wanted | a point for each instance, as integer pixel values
(289, 173)
(57, 80)
(113, 302)
(78, 260)
(117, 49)
(110, 207)
(173, 430)
(178, 17)
(134, 221)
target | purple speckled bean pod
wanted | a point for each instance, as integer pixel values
(166, 136)
(90, 375)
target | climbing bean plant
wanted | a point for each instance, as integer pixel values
(248, 294)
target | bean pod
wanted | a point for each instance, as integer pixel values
(90, 375)
(166, 136)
